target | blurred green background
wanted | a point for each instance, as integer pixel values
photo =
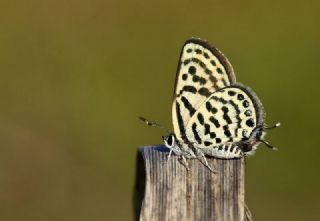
(76, 74)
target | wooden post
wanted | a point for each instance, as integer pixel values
(167, 191)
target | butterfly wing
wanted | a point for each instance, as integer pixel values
(202, 70)
(227, 116)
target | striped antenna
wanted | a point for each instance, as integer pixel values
(268, 145)
(153, 124)
(274, 126)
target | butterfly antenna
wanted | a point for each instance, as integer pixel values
(153, 124)
(268, 145)
(274, 126)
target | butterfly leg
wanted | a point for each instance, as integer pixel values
(184, 162)
(169, 155)
(201, 157)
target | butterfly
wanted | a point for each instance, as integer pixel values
(212, 114)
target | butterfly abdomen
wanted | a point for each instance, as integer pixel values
(225, 151)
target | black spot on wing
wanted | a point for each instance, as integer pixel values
(204, 92)
(213, 62)
(224, 82)
(180, 121)
(206, 129)
(245, 103)
(187, 105)
(208, 106)
(231, 93)
(250, 122)
(227, 118)
(198, 51)
(201, 80)
(207, 71)
(187, 88)
(240, 97)
(227, 133)
(219, 99)
(192, 70)
(213, 79)
(225, 115)
(203, 65)
(248, 113)
(184, 77)
(225, 127)
(214, 110)
(187, 61)
(219, 70)
(207, 143)
(225, 109)
(195, 133)
(200, 118)
(215, 121)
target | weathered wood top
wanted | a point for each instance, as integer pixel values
(167, 191)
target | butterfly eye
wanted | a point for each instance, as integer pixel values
(170, 140)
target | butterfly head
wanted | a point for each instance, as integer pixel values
(169, 140)
(250, 143)
(256, 137)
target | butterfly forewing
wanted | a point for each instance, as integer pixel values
(202, 70)
(227, 116)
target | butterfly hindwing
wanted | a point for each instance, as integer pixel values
(202, 70)
(226, 117)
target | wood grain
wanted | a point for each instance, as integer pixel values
(167, 191)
